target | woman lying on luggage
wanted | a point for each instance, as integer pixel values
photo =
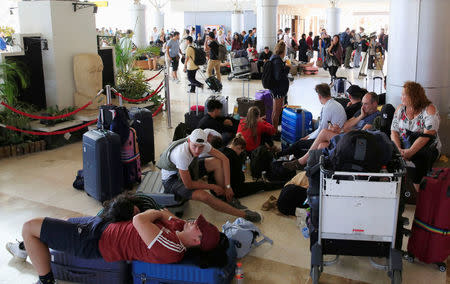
(414, 130)
(255, 130)
(122, 232)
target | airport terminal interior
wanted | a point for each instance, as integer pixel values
(68, 51)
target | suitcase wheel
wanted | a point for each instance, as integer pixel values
(442, 266)
(409, 257)
(315, 274)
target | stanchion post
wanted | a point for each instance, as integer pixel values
(108, 94)
(167, 93)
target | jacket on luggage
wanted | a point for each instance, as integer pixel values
(280, 75)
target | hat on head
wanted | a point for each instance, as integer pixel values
(355, 91)
(210, 234)
(198, 136)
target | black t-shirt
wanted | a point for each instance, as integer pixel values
(237, 177)
(214, 50)
(208, 122)
(264, 55)
(350, 111)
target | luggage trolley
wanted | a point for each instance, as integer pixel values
(240, 68)
(357, 214)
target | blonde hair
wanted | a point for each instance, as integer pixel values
(251, 122)
(280, 48)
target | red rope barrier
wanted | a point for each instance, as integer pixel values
(142, 99)
(51, 133)
(46, 117)
(146, 80)
(157, 110)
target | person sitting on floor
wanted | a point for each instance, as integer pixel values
(255, 130)
(214, 120)
(332, 112)
(122, 232)
(181, 170)
(362, 120)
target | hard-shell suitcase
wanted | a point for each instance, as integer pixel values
(142, 122)
(430, 237)
(214, 83)
(266, 97)
(339, 86)
(152, 186)
(295, 124)
(244, 103)
(102, 167)
(68, 267)
(185, 271)
(193, 117)
(222, 99)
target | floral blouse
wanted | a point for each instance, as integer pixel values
(401, 123)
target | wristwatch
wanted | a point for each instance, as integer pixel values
(228, 186)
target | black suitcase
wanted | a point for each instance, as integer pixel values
(142, 122)
(192, 117)
(214, 84)
(102, 168)
(244, 103)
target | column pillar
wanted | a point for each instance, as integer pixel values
(140, 37)
(237, 22)
(266, 23)
(418, 51)
(333, 20)
(157, 18)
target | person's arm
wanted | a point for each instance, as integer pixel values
(349, 124)
(167, 50)
(144, 225)
(185, 176)
(395, 135)
(266, 127)
(226, 171)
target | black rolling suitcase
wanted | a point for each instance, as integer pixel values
(142, 122)
(192, 117)
(214, 83)
(102, 168)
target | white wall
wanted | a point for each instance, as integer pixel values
(68, 33)
(218, 18)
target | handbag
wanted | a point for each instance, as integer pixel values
(411, 137)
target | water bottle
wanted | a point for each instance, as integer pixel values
(384, 171)
(247, 163)
(239, 274)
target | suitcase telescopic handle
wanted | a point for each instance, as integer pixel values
(108, 94)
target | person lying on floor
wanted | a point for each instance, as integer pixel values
(332, 111)
(255, 130)
(122, 232)
(362, 120)
(181, 170)
(237, 177)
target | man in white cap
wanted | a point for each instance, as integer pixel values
(181, 170)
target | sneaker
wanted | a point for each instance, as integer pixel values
(237, 204)
(177, 81)
(293, 165)
(270, 203)
(253, 216)
(16, 250)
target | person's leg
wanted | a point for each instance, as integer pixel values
(217, 204)
(196, 82)
(175, 67)
(259, 65)
(191, 78)
(357, 58)
(348, 56)
(37, 250)
(217, 69)
(324, 137)
(423, 160)
(209, 68)
(277, 105)
(215, 165)
(298, 149)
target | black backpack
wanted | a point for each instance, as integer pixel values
(267, 77)
(316, 43)
(278, 173)
(200, 56)
(386, 116)
(260, 160)
(358, 151)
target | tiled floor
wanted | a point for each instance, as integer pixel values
(40, 184)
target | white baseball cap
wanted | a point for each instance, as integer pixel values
(199, 137)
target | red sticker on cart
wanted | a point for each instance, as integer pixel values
(358, 231)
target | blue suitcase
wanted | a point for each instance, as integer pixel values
(295, 124)
(102, 168)
(185, 271)
(93, 271)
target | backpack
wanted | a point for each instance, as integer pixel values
(244, 234)
(278, 173)
(361, 151)
(386, 116)
(200, 56)
(267, 77)
(222, 52)
(131, 160)
(260, 160)
(316, 43)
(181, 131)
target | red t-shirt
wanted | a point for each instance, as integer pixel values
(309, 41)
(261, 128)
(121, 241)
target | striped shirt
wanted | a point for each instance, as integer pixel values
(121, 241)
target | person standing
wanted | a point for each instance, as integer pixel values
(287, 41)
(303, 49)
(214, 63)
(358, 38)
(172, 52)
(280, 71)
(309, 41)
(346, 44)
(334, 56)
(237, 43)
(189, 65)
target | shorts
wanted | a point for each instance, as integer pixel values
(278, 95)
(77, 236)
(175, 62)
(175, 185)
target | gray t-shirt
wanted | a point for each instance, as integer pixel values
(174, 47)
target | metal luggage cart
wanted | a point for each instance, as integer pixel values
(357, 214)
(240, 68)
